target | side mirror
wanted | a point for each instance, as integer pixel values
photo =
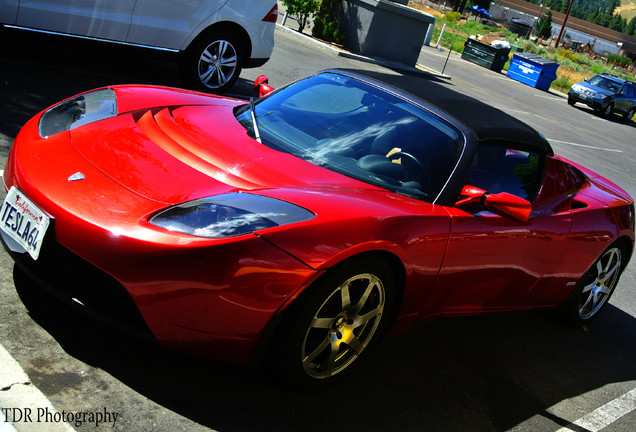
(502, 203)
(261, 84)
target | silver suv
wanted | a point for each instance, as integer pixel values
(606, 94)
(216, 38)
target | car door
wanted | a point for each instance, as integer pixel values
(103, 19)
(494, 262)
(622, 102)
(8, 11)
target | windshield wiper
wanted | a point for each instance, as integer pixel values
(257, 134)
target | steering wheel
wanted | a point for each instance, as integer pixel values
(420, 175)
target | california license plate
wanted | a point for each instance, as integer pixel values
(23, 221)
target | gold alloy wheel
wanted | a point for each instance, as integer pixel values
(343, 326)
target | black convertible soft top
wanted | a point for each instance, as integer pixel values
(488, 124)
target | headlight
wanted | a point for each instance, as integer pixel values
(229, 215)
(83, 109)
(577, 88)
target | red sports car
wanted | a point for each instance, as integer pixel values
(301, 226)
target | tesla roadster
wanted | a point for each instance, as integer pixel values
(298, 228)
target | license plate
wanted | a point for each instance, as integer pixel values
(23, 221)
(582, 96)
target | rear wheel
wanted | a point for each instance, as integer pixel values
(213, 64)
(595, 288)
(630, 114)
(342, 316)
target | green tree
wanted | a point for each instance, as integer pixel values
(631, 27)
(618, 23)
(544, 26)
(302, 10)
(612, 7)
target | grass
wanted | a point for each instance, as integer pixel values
(457, 32)
(627, 9)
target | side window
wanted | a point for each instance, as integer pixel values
(502, 169)
(632, 91)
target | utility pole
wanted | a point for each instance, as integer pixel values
(565, 20)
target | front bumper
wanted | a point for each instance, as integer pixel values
(589, 100)
(80, 285)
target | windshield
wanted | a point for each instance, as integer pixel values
(360, 131)
(605, 83)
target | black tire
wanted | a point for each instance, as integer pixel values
(571, 100)
(630, 114)
(336, 322)
(592, 293)
(214, 62)
(608, 112)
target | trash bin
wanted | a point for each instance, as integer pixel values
(533, 70)
(485, 55)
(520, 27)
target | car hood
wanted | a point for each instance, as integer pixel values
(179, 153)
(595, 89)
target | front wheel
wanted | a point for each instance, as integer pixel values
(595, 288)
(571, 100)
(213, 64)
(608, 111)
(334, 325)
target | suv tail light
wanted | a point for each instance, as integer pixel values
(272, 15)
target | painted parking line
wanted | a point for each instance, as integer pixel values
(553, 97)
(517, 111)
(24, 407)
(584, 145)
(605, 415)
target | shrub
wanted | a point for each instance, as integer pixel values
(567, 63)
(562, 84)
(599, 68)
(566, 54)
(452, 16)
(619, 60)
(327, 29)
(584, 60)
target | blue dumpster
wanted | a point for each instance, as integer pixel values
(533, 70)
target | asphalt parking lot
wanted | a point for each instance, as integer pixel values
(523, 372)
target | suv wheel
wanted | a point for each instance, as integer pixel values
(630, 114)
(213, 64)
(608, 111)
